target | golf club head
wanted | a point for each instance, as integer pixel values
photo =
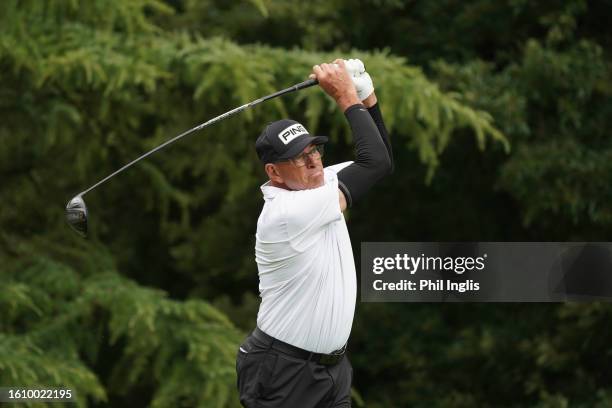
(76, 215)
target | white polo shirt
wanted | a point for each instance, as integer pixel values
(307, 279)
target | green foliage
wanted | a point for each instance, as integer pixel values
(57, 323)
(145, 312)
(561, 169)
(553, 106)
(495, 360)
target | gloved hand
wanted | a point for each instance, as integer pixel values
(361, 79)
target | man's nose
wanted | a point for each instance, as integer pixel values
(312, 162)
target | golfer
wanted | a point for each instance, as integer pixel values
(296, 356)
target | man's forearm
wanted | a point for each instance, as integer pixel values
(371, 102)
(346, 101)
(372, 158)
(376, 115)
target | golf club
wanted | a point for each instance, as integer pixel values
(76, 210)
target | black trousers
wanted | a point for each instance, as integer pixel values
(270, 378)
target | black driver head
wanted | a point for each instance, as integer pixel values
(76, 215)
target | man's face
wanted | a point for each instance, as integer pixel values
(305, 171)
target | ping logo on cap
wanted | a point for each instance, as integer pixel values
(288, 134)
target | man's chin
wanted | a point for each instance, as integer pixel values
(318, 180)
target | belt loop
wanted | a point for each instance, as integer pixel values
(271, 344)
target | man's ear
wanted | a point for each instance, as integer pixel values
(273, 173)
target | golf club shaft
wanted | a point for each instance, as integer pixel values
(293, 88)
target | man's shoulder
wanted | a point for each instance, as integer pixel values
(272, 222)
(295, 211)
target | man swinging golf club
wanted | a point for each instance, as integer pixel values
(295, 357)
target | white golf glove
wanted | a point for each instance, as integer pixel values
(361, 79)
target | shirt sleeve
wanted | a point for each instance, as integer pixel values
(372, 160)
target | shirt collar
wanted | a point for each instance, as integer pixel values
(269, 191)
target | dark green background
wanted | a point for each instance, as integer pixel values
(499, 114)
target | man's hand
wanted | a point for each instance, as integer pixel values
(336, 82)
(361, 79)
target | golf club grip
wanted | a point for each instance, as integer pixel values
(306, 84)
